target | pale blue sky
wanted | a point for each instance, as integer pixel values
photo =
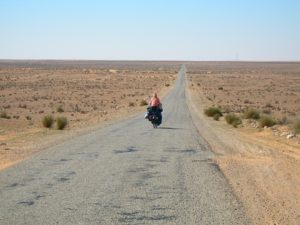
(150, 30)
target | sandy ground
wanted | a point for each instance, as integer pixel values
(263, 168)
(147, 176)
(89, 95)
(261, 165)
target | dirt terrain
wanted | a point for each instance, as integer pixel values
(261, 164)
(125, 173)
(85, 92)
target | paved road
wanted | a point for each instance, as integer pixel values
(127, 173)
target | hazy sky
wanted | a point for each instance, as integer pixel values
(150, 29)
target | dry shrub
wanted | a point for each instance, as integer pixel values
(143, 103)
(212, 111)
(6, 106)
(48, 121)
(283, 120)
(269, 105)
(61, 122)
(4, 115)
(266, 121)
(266, 111)
(131, 104)
(217, 117)
(60, 109)
(23, 106)
(296, 127)
(233, 119)
(251, 114)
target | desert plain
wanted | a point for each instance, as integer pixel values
(87, 93)
(261, 164)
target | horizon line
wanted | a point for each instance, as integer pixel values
(150, 60)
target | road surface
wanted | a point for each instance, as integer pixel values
(126, 173)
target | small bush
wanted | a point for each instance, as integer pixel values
(6, 106)
(24, 106)
(283, 120)
(167, 85)
(76, 108)
(266, 111)
(237, 122)
(212, 111)
(266, 121)
(269, 105)
(60, 109)
(131, 104)
(217, 117)
(296, 127)
(143, 103)
(4, 115)
(233, 119)
(251, 114)
(48, 121)
(61, 122)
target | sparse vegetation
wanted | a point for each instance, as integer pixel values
(131, 104)
(6, 106)
(251, 114)
(296, 127)
(30, 91)
(233, 119)
(48, 121)
(23, 106)
(217, 117)
(268, 105)
(266, 121)
(266, 111)
(212, 111)
(76, 108)
(60, 109)
(283, 120)
(143, 103)
(4, 115)
(61, 122)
